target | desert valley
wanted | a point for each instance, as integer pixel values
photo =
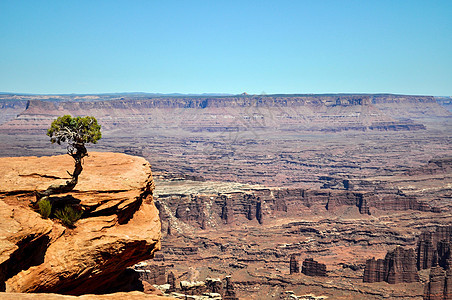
(329, 196)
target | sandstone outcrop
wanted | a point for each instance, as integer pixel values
(171, 281)
(151, 273)
(215, 285)
(229, 291)
(119, 227)
(434, 248)
(311, 267)
(439, 286)
(375, 270)
(193, 288)
(210, 288)
(293, 265)
(398, 266)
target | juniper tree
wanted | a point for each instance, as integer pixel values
(76, 132)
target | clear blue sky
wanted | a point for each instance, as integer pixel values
(366, 46)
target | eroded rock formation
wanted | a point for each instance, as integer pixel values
(171, 281)
(398, 266)
(311, 267)
(151, 273)
(229, 291)
(193, 288)
(119, 227)
(293, 265)
(205, 210)
(210, 288)
(434, 248)
(439, 286)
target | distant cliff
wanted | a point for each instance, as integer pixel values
(446, 102)
(9, 109)
(328, 113)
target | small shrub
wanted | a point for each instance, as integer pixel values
(68, 215)
(45, 207)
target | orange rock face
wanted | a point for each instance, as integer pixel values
(120, 225)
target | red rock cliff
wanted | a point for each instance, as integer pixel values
(120, 225)
(328, 113)
(398, 266)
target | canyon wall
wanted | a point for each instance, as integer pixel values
(328, 113)
(255, 205)
(10, 109)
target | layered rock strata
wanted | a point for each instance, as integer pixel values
(327, 113)
(153, 274)
(229, 293)
(9, 109)
(311, 267)
(434, 248)
(293, 265)
(207, 210)
(119, 227)
(439, 286)
(210, 288)
(398, 266)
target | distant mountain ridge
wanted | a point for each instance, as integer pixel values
(328, 112)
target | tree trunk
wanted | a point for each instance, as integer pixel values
(77, 151)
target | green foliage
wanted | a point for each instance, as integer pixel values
(68, 215)
(79, 130)
(45, 207)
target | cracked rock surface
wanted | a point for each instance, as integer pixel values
(120, 225)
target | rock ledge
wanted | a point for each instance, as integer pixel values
(120, 225)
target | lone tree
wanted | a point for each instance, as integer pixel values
(76, 132)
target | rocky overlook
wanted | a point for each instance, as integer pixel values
(119, 227)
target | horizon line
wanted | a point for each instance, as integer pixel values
(210, 94)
